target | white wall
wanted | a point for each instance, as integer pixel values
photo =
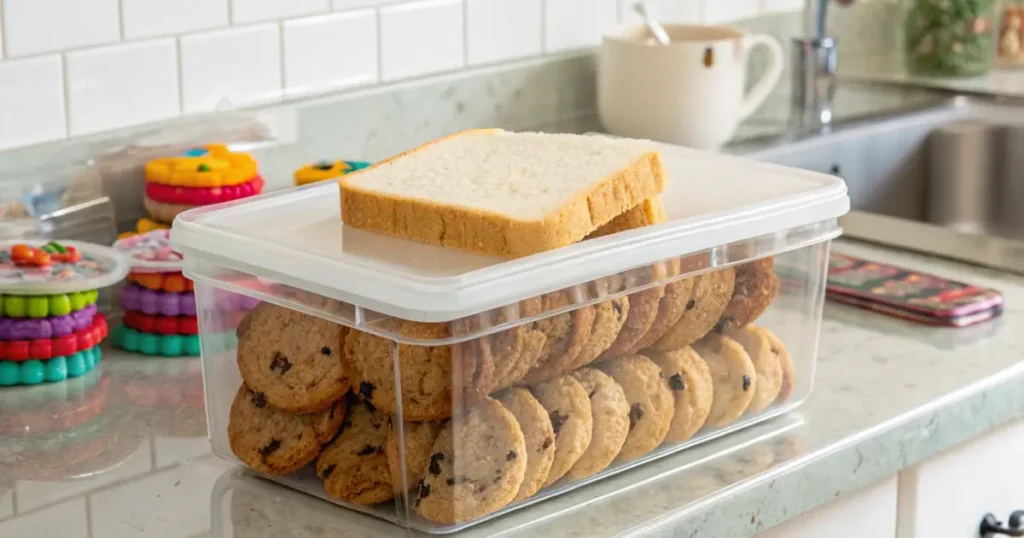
(74, 67)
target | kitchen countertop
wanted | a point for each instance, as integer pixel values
(888, 393)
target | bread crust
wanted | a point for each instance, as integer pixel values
(492, 233)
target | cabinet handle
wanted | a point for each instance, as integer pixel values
(990, 526)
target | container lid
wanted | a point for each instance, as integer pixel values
(90, 267)
(296, 237)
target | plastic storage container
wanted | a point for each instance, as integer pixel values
(445, 328)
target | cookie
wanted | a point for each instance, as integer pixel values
(651, 406)
(610, 411)
(276, 442)
(354, 466)
(481, 463)
(692, 388)
(292, 358)
(419, 439)
(539, 435)
(765, 357)
(565, 350)
(568, 406)
(213, 165)
(426, 371)
(670, 310)
(711, 294)
(609, 317)
(756, 287)
(643, 310)
(196, 196)
(496, 361)
(163, 211)
(785, 364)
(733, 375)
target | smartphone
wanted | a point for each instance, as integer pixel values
(909, 294)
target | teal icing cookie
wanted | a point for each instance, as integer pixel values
(44, 306)
(49, 371)
(161, 345)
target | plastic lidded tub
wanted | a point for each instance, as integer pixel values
(482, 385)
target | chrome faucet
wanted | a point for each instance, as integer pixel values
(814, 69)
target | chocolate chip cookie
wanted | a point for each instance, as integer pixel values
(670, 310)
(481, 462)
(276, 442)
(609, 317)
(643, 310)
(495, 361)
(565, 350)
(426, 371)
(651, 405)
(711, 293)
(690, 381)
(568, 407)
(756, 287)
(733, 374)
(419, 439)
(292, 358)
(766, 361)
(610, 410)
(785, 364)
(354, 466)
(539, 435)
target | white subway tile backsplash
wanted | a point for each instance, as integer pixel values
(330, 51)
(723, 11)
(577, 24)
(245, 11)
(31, 101)
(121, 85)
(419, 38)
(1, 33)
(780, 6)
(342, 5)
(149, 18)
(664, 11)
(35, 26)
(502, 29)
(240, 66)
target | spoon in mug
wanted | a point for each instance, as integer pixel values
(654, 26)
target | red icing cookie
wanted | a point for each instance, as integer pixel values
(203, 195)
(48, 348)
(145, 323)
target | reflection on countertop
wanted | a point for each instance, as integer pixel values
(123, 451)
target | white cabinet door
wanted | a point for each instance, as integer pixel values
(866, 513)
(946, 496)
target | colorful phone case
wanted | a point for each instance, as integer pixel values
(909, 294)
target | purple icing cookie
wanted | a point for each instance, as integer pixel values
(157, 303)
(233, 302)
(51, 327)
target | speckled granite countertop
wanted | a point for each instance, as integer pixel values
(888, 394)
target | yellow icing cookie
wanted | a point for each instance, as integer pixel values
(323, 170)
(144, 225)
(208, 166)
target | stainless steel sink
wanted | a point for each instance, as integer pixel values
(947, 181)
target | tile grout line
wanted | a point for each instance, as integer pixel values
(379, 21)
(181, 75)
(465, 32)
(67, 93)
(120, 19)
(281, 58)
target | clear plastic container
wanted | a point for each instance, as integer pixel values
(451, 332)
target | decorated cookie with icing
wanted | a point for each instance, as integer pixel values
(144, 323)
(47, 348)
(172, 282)
(320, 171)
(54, 326)
(34, 372)
(150, 252)
(208, 166)
(196, 196)
(46, 268)
(135, 298)
(164, 345)
(144, 225)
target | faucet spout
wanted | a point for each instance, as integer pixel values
(814, 71)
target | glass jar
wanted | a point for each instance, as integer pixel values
(1010, 48)
(949, 38)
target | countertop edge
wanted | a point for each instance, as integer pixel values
(779, 495)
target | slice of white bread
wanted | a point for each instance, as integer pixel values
(501, 193)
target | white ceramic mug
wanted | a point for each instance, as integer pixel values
(689, 92)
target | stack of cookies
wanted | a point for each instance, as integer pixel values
(159, 303)
(50, 329)
(324, 170)
(202, 176)
(559, 399)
